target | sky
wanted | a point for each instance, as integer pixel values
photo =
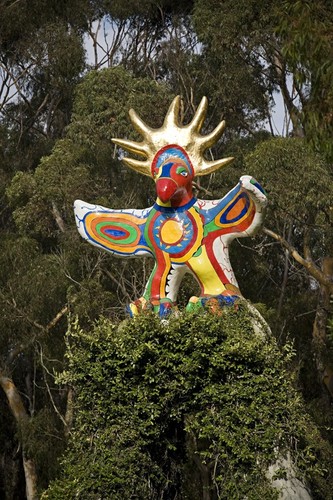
(278, 116)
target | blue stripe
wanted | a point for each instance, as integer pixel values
(188, 205)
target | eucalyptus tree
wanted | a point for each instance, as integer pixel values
(41, 58)
(306, 30)
(256, 48)
(300, 218)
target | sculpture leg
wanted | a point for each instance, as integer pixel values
(218, 286)
(161, 291)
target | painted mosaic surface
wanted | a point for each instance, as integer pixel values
(182, 233)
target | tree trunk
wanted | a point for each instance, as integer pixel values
(285, 271)
(30, 478)
(17, 407)
(69, 411)
(320, 327)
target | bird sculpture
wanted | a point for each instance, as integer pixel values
(182, 233)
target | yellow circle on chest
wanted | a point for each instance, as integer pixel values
(171, 232)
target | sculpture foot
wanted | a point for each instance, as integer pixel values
(162, 307)
(213, 303)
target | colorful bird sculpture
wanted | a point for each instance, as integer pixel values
(182, 233)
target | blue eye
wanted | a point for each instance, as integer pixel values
(184, 174)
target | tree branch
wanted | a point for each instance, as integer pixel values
(45, 370)
(57, 216)
(42, 329)
(309, 265)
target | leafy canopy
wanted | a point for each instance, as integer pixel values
(161, 407)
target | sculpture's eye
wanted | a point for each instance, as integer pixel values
(182, 171)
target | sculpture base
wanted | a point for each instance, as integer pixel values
(214, 303)
(164, 307)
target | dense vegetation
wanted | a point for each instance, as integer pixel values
(196, 407)
(59, 109)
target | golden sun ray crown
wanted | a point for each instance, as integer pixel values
(173, 132)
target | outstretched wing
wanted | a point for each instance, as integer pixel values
(239, 213)
(120, 232)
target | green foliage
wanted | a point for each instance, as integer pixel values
(43, 440)
(42, 57)
(104, 98)
(299, 185)
(85, 165)
(59, 178)
(297, 179)
(146, 8)
(306, 30)
(31, 290)
(197, 403)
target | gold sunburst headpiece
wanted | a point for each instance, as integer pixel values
(173, 132)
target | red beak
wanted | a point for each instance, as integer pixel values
(165, 188)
